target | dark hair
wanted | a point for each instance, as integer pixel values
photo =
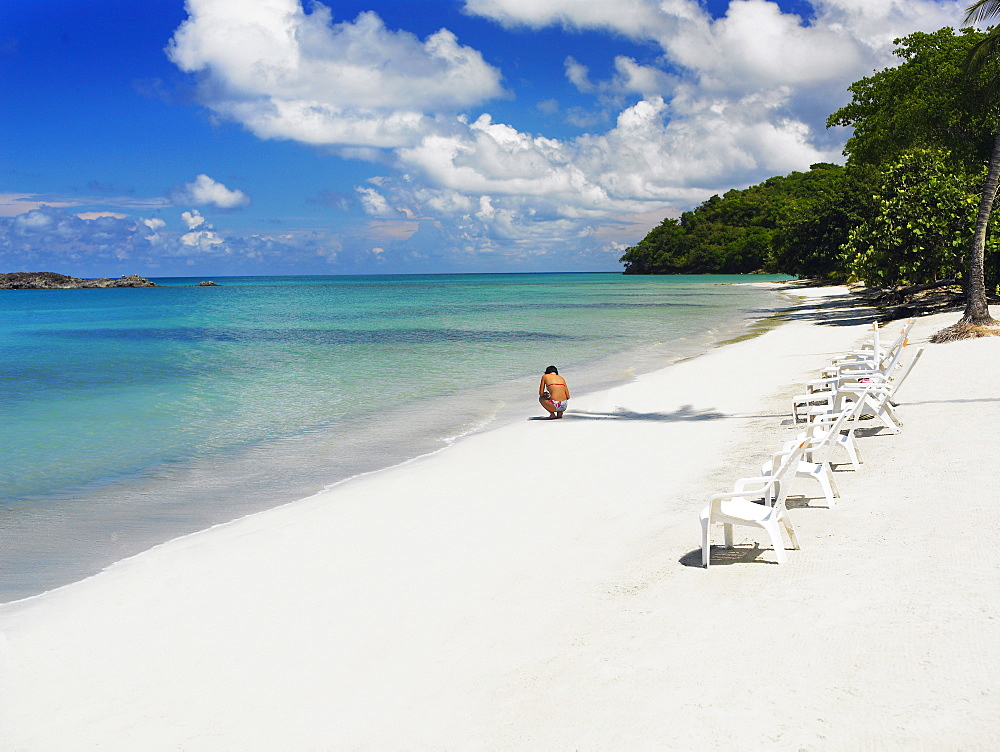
(552, 369)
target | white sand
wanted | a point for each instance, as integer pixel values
(537, 587)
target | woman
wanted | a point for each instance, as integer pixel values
(553, 394)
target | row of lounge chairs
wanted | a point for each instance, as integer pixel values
(859, 386)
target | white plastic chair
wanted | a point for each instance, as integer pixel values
(822, 391)
(820, 439)
(739, 508)
(877, 393)
(841, 437)
(872, 354)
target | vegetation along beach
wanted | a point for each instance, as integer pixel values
(279, 280)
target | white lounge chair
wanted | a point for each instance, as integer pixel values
(842, 436)
(821, 391)
(739, 508)
(876, 391)
(873, 354)
(821, 438)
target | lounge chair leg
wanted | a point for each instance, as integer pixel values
(824, 483)
(787, 524)
(729, 534)
(776, 541)
(833, 482)
(855, 454)
(706, 543)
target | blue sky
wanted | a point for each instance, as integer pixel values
(219, 137)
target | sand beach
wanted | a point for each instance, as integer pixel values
(539, 587)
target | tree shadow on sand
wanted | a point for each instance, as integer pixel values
(838, 310)
(685, 413)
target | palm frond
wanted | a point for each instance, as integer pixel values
(982, 55)
(981, 10)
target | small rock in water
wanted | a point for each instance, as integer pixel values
(207, 283)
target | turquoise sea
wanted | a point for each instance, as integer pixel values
(133, 416)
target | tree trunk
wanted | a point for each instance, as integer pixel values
(976, 309)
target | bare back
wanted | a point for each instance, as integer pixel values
(555, 385)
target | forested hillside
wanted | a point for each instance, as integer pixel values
(902, 210)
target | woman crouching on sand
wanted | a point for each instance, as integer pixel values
(553, 394)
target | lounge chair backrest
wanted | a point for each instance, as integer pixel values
(821, 442)
(898, 381)
(897, 345)
(784, 463)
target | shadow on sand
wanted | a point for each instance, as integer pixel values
(684, 413)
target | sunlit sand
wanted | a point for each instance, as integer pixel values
(539, 587)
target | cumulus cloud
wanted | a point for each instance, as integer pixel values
(635, 18)
(201, 236)
(285, 73)
(729, 101)
(192, 219)
(52, 238)
(374, 203)
(53, 231)
(204, 191)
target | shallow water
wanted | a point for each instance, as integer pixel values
(134, 416)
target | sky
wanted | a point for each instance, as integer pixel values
(264, 137)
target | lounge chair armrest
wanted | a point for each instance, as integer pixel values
(821, 384)
(744, 486)
(755, 492)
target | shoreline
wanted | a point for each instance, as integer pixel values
(127, 515)
(536, 587)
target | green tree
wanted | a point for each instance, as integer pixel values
(733, 233)
(925, 102)
(808, 244)
(662, 251)
(923, 222)
(982, 63)
(937, 98)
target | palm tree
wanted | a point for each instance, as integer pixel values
(976, 320)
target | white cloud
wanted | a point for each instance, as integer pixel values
(204, 191)
(201, 240)
(99, 214)
(374, 203)
(285, 73)
(201, 236)
(578, 74)
(730, 101)
(635, 18)
(192, 219)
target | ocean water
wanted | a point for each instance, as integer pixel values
(133, 416)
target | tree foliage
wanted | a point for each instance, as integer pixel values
(733, 233)
(925, 213)
(928, 101)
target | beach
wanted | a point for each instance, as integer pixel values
(539, 586)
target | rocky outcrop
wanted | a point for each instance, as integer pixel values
(53, 281)
(207, 283)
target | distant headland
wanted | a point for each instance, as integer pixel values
(53, 281)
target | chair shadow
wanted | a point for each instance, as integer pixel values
(721, 556)
(806, 502)
(747, 554)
